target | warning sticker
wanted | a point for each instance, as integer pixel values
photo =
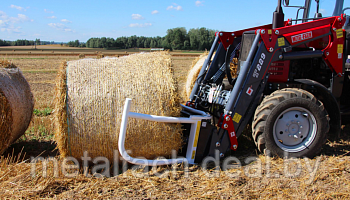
(269, 31)
(339, 33)
(340, 48)
(237, 117)
(281, 41)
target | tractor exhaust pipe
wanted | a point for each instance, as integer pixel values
(278, 16)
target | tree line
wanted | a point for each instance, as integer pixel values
(24, 42)
(175, 39)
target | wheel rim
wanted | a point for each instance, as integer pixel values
(295, 129)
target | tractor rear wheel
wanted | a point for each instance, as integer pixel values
(290, 123)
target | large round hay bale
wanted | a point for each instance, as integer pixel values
(193, 73)
(90, 97)
(16, 104)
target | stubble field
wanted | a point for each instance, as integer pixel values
(324, 177)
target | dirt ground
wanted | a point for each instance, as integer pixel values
(324, 177)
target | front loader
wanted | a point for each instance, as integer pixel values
(292, 87)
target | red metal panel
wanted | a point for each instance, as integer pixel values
(333, 53)
(296, 34)
(227, 38)
(227, 124)
(279, 71)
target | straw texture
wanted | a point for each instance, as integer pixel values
(196, 68)
(193, 73)
(16, 104)
(90, 96)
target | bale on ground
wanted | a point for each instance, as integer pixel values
(196, 68)
(193, 73)
(90, 97)
(16, 104)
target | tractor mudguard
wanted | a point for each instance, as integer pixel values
(329, 101)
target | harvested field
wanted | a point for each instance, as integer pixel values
(324, 177)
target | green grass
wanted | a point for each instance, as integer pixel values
(40, 71)
(42, 113)
(192, 51)
(26, 58)
(39, 132)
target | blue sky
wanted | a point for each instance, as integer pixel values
(66, 20)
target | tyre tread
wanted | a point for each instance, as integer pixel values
(269, 103)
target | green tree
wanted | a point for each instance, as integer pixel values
(37, 41)
(176, 37)
(76, 43)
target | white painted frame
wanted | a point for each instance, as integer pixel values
(194, 120)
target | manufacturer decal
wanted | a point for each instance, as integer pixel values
(258, 66)
(237, 117)
(301, 37)
(250, 90)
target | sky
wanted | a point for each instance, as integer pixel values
(68, 20)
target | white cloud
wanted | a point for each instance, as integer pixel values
(60, 27)
(66, 21)
(22, 18)
(199, 3)
(17, 7)
(137, 17)
(174, 7)
(11, 29)
(323, 11)
(8, 24)
(155, 12)
(56, 25)
(140, 25)
(48, 11)
(6, 20)
(52, 17)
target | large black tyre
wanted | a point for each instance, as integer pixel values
(290, 123)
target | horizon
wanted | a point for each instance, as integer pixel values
(64, 21)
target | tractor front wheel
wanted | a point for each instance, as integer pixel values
(290, 123)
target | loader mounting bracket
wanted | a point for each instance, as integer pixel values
(227, 124)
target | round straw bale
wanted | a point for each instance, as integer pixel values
(90, 97)
(100, 56)
(193, 73)
(16, 104)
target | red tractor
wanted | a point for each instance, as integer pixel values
(292, 86)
